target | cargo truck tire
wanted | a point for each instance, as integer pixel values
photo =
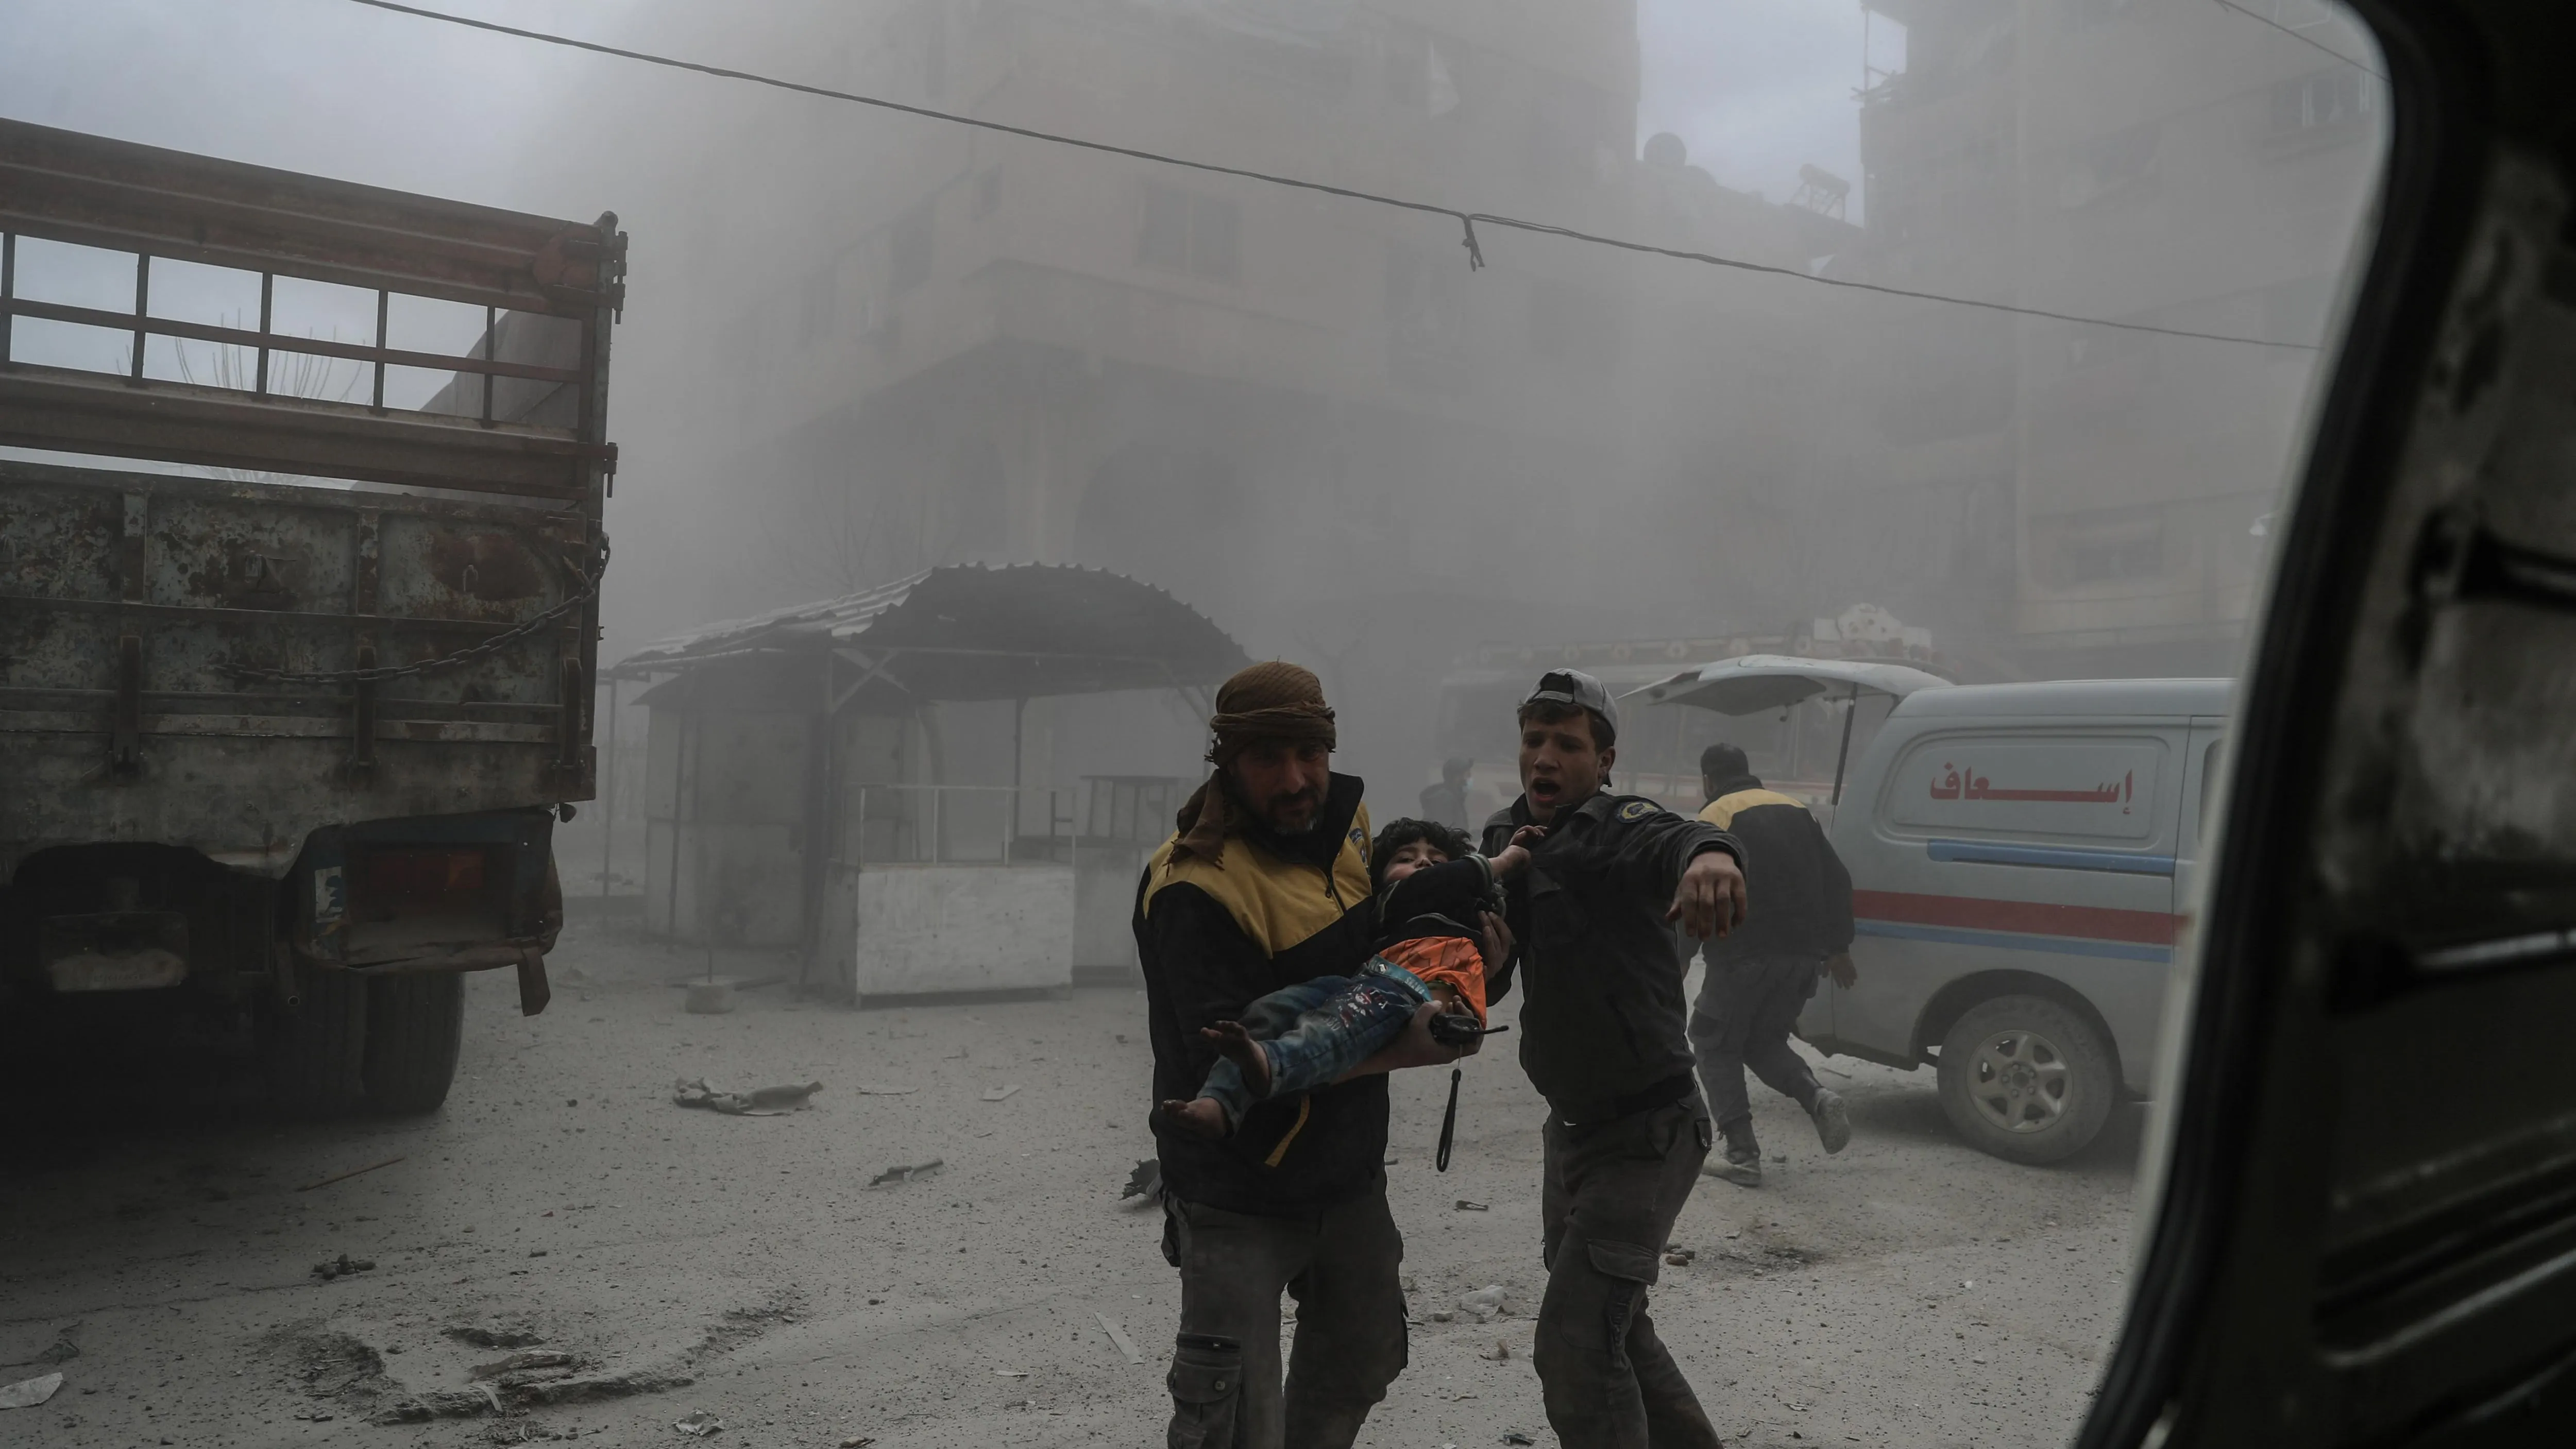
(2026, 1079)
(316, 1043)
(414, 1026)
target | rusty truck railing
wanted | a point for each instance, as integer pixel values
(168, 205)
(418, 649)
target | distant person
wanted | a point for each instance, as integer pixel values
(1446, 802)
(1760, 977)
(1265, 883)
(1603, 1040)
(1431, 892)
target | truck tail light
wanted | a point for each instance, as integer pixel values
(410, 882)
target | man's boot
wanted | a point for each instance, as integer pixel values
(1833, 1120)
(1741, 1160)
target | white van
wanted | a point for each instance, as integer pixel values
(2018, 854)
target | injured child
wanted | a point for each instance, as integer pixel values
(1432, 891)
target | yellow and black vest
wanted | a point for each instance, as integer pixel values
(1214, 935)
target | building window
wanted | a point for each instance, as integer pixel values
(1187, 232)
(2098, 546)
(2108, 165)
(911, 249)
(2338, 96)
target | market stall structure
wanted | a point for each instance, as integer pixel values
(848, 777)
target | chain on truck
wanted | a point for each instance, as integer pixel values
(290, 701)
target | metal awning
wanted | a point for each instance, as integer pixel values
(1752, 683)
(969, 632)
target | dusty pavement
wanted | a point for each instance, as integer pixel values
(652, 1263)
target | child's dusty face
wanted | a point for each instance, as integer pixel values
(1411, 856)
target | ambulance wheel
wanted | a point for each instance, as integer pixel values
(2026, 1079)
(314, 1042)
(415, 1024)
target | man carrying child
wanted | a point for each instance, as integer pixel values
(1266, 886)
(1312, 1034)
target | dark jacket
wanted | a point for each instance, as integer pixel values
(1605, 1019)
(1801, 895)
(1212, 936)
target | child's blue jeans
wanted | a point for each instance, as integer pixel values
(1316, 1030)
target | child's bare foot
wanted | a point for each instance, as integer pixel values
(1237, 1046)
(1200, 1115)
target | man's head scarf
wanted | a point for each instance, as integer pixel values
(1271, 701)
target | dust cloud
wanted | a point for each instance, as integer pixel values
(1427, 462)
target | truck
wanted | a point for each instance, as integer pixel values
(295, 675)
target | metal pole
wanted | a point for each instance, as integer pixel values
(384, 301)
(608, 788)
(142, 307)
(1851, 712)
(267, 300)
(8, 289)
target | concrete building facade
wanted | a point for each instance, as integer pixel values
(2067, 500)
(1306, 415)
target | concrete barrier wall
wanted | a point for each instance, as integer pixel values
(933, 928)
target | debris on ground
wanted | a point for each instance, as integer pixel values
(1119, 1337)
(28, 1393)
(1501, 1352)
(1465, 1206)
(894, 1175)
(64, 1348)
(1485, 1303)
(1517, 1437)
(1145, 1184)
(758, 1102)
(341, 1267)
(1441, 1315)
(877, 1091)
(1679, 1257)
(708, 998)
(514, 1336)
(699, 1425)
(352, 1172)
(861, 1442)
(997, 1094)
(1012, 1373)
(538, 1358)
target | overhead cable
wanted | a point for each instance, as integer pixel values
(2307, 40)
(1468, 221)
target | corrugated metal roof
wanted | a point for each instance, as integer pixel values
(971, 631)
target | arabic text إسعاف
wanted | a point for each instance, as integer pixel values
(1973, 786)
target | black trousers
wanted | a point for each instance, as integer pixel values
(1611, 1193)
(1341, 1267)
(1742, 1019)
